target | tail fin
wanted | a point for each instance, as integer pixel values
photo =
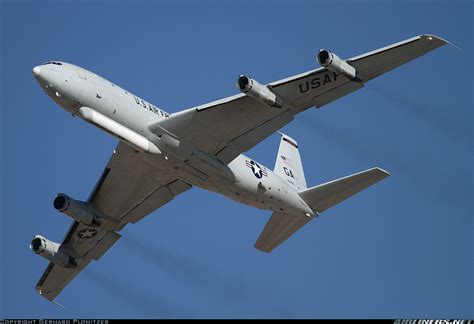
(288, 163)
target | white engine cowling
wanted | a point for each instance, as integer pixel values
(333, 63)
(77, 210)
(260, 92)
(50, 250)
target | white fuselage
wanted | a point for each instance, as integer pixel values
(244, 180)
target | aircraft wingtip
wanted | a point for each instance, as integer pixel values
(56, 303)
(430, 37)
(48, 297)
(386, 173)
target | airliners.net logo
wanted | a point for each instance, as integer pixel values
(414, 321)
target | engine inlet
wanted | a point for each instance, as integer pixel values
(35, 245)
(323, 57)
(243, 82)
(60, 202)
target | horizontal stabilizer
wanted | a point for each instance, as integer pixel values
(328, 194)
(280, 227)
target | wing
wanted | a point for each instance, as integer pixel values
(129, 189)
(231, 126)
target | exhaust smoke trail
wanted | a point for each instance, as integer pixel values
(426, 114)
(150, 306)
(348, 142)
(396, 162)
(186, 269)
(333, 135)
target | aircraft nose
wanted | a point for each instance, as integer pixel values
(36, 71)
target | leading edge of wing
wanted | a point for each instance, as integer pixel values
(404, 42)
(241, 95)
(303, 75)
(364, 55)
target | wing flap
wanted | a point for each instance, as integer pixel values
(176, 187)
(247, 140)
(336, 93)
(55, 278)
(103, 245)
(156, 199)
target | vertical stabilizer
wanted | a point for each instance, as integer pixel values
(288, 163)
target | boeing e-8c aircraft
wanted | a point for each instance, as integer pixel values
(161, 155)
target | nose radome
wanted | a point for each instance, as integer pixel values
(36, 70)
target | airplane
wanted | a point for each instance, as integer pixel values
(161, 155)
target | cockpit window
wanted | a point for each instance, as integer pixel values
(55, 63)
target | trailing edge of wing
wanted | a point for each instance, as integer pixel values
(55, 278)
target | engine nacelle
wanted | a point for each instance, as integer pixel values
(77, 210)
(51, 251)
(333, 63)
(260, 92)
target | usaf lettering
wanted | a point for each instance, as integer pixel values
(316, 82)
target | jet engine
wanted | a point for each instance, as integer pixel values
(261, 93)
(77, 210)
(51, 251)
(333, 63)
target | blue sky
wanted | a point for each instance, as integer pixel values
(402, 248)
